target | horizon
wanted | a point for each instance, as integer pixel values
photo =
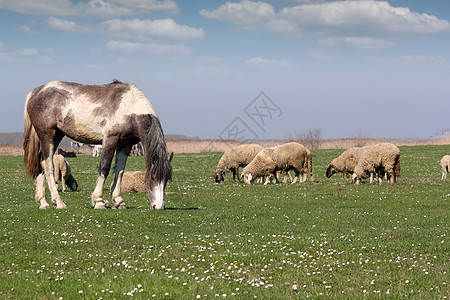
(243, 69)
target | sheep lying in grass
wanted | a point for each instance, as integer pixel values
(290, 156)
(378, 159)
(445, 164)
(133, 182)
(235, 157)
(345, 163)
(63, 173)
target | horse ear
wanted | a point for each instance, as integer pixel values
(170, 157)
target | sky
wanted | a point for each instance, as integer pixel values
(242, 69)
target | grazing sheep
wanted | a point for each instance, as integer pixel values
(63, 173)
(378, 159)
(345, 163)
(445, 164)
(290, 156)
(235, 157)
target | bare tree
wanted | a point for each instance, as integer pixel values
(311, 139)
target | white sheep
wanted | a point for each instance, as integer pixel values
(378, 159)
(63, 172)
(234, 158)
(133, 182)
(345, 163)
(445, 164)
(290, 156)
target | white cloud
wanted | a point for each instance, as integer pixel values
(142, 30)
(26, 29)
(337, 18)
(265, 64)
(147, 48)
(355, 43)
(92, 9)
(65, 25)
(24, 55)
(167, 6)
(424, 60)
(245, 14)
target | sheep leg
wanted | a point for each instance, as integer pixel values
(40, 192)
(63, 181)
(237, 174)
(121, 160)
(295, 177)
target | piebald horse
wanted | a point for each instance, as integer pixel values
(116, 115)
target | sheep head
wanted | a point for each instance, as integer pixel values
(331, 170)
(218, 176)
(248, 178)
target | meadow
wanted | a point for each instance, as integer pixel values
(321, 239)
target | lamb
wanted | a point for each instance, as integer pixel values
(378, 159)
(445, 164)
(235, 157)
(63, 173)
(345, 163)
(290, 156)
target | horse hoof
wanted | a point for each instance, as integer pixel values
(62, 206)
(44, 207)
(100, 205)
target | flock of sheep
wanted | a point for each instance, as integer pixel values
(369, 162)
(266, 164)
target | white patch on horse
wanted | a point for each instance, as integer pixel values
(158, 196)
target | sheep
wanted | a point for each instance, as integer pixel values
(286, 157)
(63, 173)
(345, 163)
(378, 159)
(235, 157)
(133, 182)
(445, 164)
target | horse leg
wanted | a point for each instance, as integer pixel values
(40, 192)
(116, 190)
(107, 154)
(48, 150)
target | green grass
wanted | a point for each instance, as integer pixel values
(325, 238)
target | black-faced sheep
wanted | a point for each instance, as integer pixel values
(64, 173)
(445, 164)
(290, 156)
(378, 159)
(345, 163)
(234, 158)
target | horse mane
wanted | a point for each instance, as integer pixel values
(157, 162)
(116, 81)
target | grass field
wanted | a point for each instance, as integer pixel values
(321, 239)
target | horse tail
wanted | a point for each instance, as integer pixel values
(157, 162)
(30, 146)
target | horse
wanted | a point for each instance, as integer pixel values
(116, 115)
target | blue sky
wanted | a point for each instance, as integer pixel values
(350, 68)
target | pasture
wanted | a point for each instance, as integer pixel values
(325, 238)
